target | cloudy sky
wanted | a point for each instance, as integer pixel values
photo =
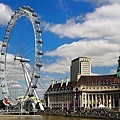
(73, 28)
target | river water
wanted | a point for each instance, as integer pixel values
(42, 118)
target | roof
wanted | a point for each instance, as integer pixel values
(58, 85)
(79, 58)
(88, 80)
(98, 80)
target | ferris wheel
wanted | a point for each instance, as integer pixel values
(21, 56)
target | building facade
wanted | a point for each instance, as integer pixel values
(80, 66)
(60, 95)
(85, 92)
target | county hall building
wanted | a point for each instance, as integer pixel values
(84, 90)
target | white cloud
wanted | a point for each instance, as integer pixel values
(100, 51)
(63, 5)
(5, 14)
(99, 2)
(100, 30)
(17, 86)
(102, 23)
(61, 66)
(84, 47)
(113, 71)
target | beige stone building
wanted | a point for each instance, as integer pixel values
(86, 92)
(80, 66)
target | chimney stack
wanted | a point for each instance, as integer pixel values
(67, 81)
(52, 83)
(61, 82)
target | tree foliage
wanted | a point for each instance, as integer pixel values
(2, 104)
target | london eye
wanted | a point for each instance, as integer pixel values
(21, 56)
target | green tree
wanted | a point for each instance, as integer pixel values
(2, 104)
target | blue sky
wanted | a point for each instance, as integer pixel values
(73, 28)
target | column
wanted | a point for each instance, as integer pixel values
(92, 100)
(74, 101)
(85, 100)
(88, 101)
(100, 99)
(80, 100)
(96, 100)
(103, 99)
(110, 100)
(113, 98)
(106, 100)
(48, 101)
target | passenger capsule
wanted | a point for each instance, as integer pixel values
(30, 95)
(27, 7)
(8, 30)
(37, 22)
(10, 23)
(39, 30)
(4, 45)
(2, 53)
(31, 10)
(12, 16)
(38, 64)
(40, 41)
(24, 7)
(2, 78)
(3, 85)
(2, 70)
(40, 53)
(16, 11)
(20, 8)
(2, 62)
(6, 37)
(34, 15)
(36, 76)
(4, 92)
(34, 86)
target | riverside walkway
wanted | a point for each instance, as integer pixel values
(101, 114)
